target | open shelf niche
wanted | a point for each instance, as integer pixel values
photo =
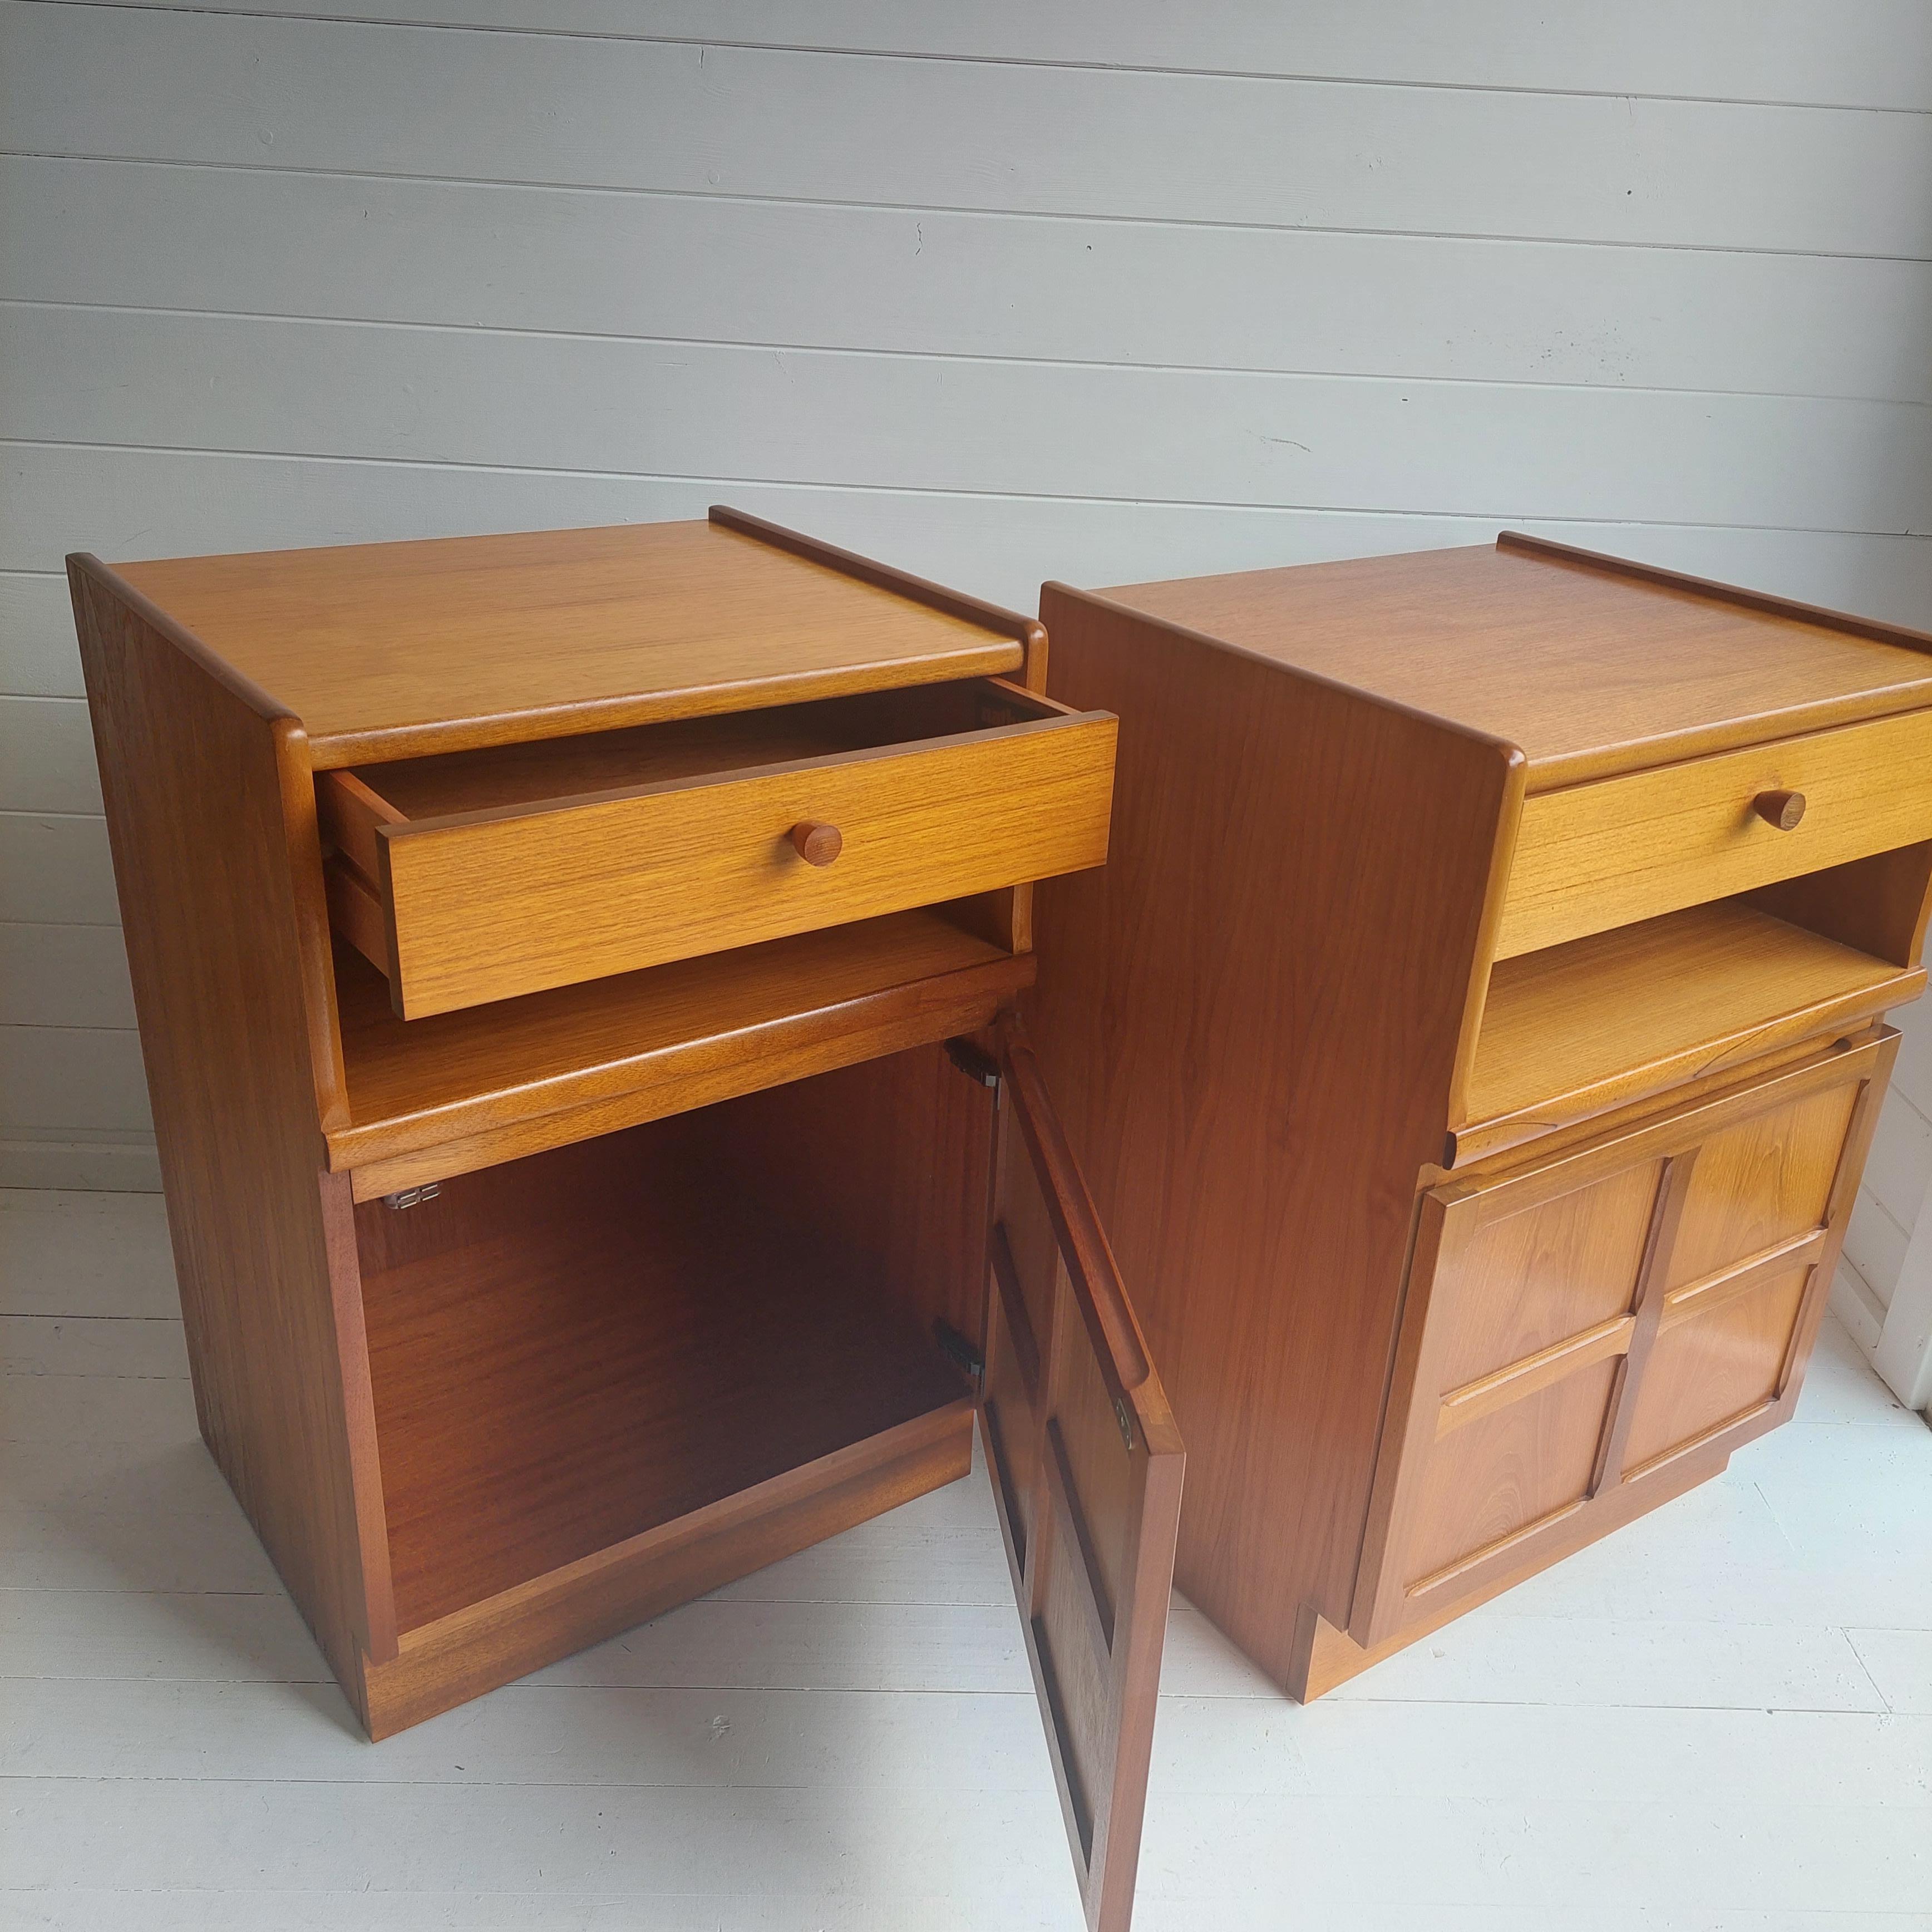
(1577, 1029)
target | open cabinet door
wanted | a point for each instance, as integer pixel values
(1086, 1465)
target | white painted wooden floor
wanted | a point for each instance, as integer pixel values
(1720, 1720)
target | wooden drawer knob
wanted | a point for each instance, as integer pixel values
(818, 844)
(1783, 809)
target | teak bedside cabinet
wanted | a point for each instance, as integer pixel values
(1473, 1043)
(576, 973)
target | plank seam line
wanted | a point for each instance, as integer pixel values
(979, 211)
(856, 353)
(1490, 518)
(1253, 76)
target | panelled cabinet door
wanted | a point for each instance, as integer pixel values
(1576, 1330)
(1086, 1465)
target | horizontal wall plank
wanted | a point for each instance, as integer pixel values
(64, 975)
(52, 1078)
(194, 86)
(919, 422)
(55, 867)
(254, 240)
(46, 756)
(1899, 1167)
(1875, 1246)
(38, 655)
(160, 503)
(100, 1163)
(1877, 54)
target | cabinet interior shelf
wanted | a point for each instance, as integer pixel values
(577, 1348)
(1576, 1029)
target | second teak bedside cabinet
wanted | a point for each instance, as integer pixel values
(1473, 1043)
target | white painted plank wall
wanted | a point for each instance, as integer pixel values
(1003, 292)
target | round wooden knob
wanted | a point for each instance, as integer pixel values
(818, 844)
(1783, 809)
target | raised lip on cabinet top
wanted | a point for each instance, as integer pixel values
(395, 650)
(1591, 664)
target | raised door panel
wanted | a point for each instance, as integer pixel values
(1719, 1366)
(1574, 1325)
(1521, 1309)
(1087, 1470)
(1765, 1200)
(1760, 1183)
(1524, 1465)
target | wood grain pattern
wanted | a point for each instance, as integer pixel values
(1520, 543)
(1535, 1372)
(488, 905)
(211, 812)
(1877, 905)
(1250, 1018)
(1325, 1657)
(1576, 1029)
(459, 1657)
(1595, 855)
(1722, 1366)
(1502, 1279)
(1091, 1546)
(1594, 1244)
(583, 1346)
(675, 1036)
(1031, 632)
(1761, 1182)
(392, 650)
(885, 1164)
(1590, 666)
(542, 770)
(1181, 1066)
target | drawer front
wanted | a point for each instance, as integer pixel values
(1572, 1328)
(1593, 857)
(487, 905)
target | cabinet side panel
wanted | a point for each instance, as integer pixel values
(192, 773)
(1250, 1018)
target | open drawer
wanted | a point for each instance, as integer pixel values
(480, 875)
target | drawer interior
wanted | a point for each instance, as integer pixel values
(571, 1349)
(500, 775)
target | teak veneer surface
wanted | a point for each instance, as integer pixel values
(1249, 1019)
(490, 905)
(1576, 1029)
(494, 777)
(519, 1630)
(1590, 667)
(211, 817)
(391, 650)
(414, 1084)
(574, 1349)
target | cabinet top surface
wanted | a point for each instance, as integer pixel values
(383, 650)
(1589, 669)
